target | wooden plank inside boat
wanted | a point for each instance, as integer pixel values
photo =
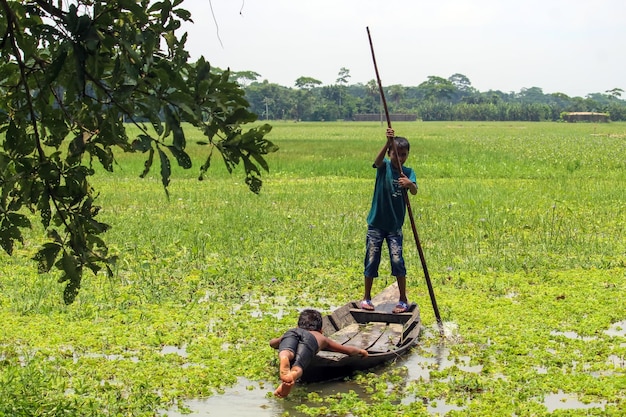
(339, 319)
(389, 340)
(368, 335)
(363, 316)
(331, 356)
(346, 334)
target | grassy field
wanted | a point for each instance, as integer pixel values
(522, 225)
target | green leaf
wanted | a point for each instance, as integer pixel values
(166, 8)
(46, 256)
(49, 172)
(183, 14)
(205, 167)
(147, 164)
(71, 290)
(77, 146)
(184, 161)
(17, 142)
(105, 156)
(82, 27)
(43, 205)
(183, 101)
(143, 143)
(69, 265)
(166, 169)
(173, 124)
(80, 58)
(203, 71)
(135, 59)
(254, 183)
(57, 64)
(18, 219)
(261, 161)
(179, 136)
(9, 233)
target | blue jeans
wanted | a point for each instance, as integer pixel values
(373, 247)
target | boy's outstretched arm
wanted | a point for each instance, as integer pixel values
(381, 154)
(347, 350)
(275, 342)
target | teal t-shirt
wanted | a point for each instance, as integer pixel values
(388, 206)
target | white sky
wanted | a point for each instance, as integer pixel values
(575, 47)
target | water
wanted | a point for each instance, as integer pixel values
(255, 399)
(563, 401)
(252, 399)
(245, 399)
(617, 329)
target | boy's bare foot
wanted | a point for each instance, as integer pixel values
(285, 370)
(283, 390)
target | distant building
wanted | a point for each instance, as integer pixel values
(585, 116)
(374, 117)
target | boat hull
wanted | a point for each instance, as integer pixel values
(386, 336)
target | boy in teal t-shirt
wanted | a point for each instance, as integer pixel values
(386, 217)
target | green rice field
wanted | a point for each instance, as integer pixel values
(523, 229)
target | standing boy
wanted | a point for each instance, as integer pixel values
(386, 217)
(297, 347)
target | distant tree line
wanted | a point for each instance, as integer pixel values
(437, 98)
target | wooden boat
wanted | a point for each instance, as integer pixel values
(385, 336)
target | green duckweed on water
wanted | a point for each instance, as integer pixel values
(521, 224)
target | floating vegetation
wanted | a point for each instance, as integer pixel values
(521, 224)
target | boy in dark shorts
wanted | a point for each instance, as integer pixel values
(297, 347)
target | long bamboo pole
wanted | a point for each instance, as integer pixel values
(431, 292)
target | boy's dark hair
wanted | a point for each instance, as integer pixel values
(402, 143)
(310, 320)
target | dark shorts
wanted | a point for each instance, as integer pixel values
(303, 345)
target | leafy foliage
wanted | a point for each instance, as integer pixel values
(436, 99)
(71, 80)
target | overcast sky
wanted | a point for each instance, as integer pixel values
(575, 47)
